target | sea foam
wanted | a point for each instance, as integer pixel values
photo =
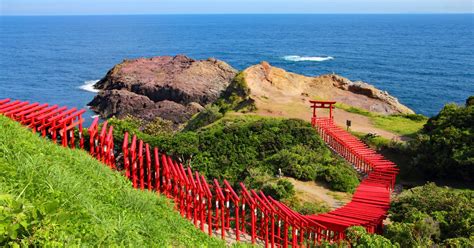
(89, 86)
(296, 58)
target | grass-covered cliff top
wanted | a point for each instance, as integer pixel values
(51, 196)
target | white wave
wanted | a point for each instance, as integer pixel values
(296, 58)
(89, 86)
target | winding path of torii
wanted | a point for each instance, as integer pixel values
(215, 207)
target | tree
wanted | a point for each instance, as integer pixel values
(430, 214)
(445, 146)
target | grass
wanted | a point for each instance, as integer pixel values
(340, 196)
(374, 141)
(405, 125)
(399, 124)
(78, 201)
(233, 117)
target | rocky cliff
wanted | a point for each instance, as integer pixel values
(173, 88)
(275, 89)
(176, 88)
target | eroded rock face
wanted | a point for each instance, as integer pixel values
(270, 86)
(173, 88)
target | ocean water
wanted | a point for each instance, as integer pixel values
(424, 60)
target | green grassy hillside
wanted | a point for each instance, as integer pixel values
(51, 196)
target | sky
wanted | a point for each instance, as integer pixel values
(99, 7)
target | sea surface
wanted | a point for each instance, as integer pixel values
(425, 61)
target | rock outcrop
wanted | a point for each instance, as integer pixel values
(273, 88)
(173, 88)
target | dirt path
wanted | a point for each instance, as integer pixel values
(300, 109)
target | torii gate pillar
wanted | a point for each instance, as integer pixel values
(323, 105)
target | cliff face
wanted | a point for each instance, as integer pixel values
(271, 86)
(173, 88)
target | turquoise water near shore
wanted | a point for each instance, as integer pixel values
(424, 60)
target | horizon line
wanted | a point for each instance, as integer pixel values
(243, 13)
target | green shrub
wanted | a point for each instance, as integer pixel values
(458, 242)
(430, 214)
(282, 189)
(207, 116)
(357, 236)
(445, 146)
(236, 97)
(159, 126)
(340, 176)
(300, 162)
(234, 146)
(421, 231)
(307, 208)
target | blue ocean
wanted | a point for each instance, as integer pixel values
(424, 60)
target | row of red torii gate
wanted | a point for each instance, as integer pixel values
(219, 208)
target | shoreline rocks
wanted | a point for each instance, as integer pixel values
(173, 88)
(176, 88)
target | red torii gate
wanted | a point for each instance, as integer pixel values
(316, 104)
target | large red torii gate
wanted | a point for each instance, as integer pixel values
(318, 104)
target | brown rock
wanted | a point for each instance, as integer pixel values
(283, 88)
(172, 88)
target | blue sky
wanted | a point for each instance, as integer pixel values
(88, 7)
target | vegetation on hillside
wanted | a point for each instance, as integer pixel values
(357, 237)
(51, 196)
(443, 150)
(402, 124)
(235, 98)
(445, 146)
(429, 215)
(252, 149)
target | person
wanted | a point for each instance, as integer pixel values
(280, 174)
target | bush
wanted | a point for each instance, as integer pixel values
(459, 242)
(422, 231)
(357, 236)
(236, 96)
(282, 189)
(231, 147)
(207, 116)
(445, 146)
(340, 176)
(300, 162)
(303, 163)
(159, 126)
(430, 214)
(234, 146)
(307, 208)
